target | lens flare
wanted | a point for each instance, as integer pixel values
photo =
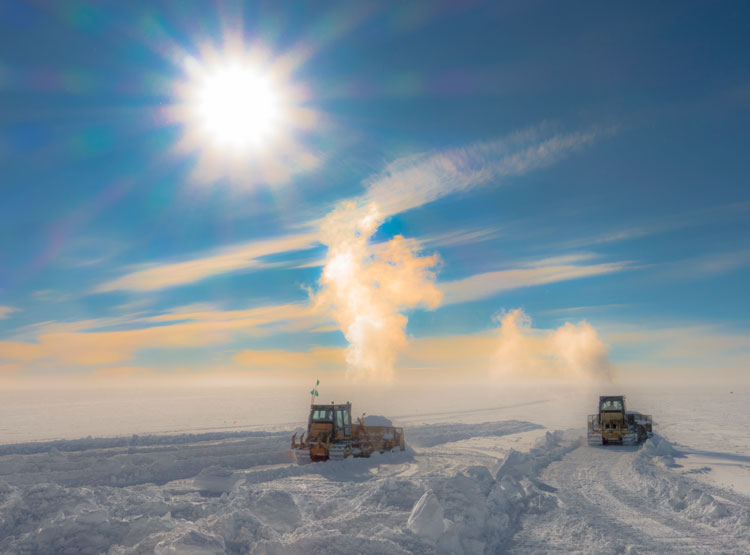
(243, 117)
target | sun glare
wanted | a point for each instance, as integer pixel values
(237, 107)
(243, 117)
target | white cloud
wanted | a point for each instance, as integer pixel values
(229, 259)
(572, 351)
(549, 270)
(460, 237)
(6, 311)
(417, 180)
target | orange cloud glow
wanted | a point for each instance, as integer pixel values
(247, 255)
(329, 358)
(69, 344)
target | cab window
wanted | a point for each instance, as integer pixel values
(339, 419)
(322, 415)
(611, 404)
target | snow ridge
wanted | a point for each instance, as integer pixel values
(633, 499)
(483, 512)
(685, 495)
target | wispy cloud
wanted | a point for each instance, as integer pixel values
(414, 181)
(460, 237)
(19, 351)
(708, 265)
(6, 311)
(664, 224)
(91, 343)
(581, 309)
(549, 270)
(229, 259)
(50, 295)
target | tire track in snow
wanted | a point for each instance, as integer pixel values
(600, 510)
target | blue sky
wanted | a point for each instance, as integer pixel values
(547, 165)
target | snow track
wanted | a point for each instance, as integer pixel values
(620, 499)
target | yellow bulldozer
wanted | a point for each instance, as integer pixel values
(332, 435)
(614, 424)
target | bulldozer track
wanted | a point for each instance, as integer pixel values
(597, 486)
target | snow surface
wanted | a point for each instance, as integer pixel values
(480, 478)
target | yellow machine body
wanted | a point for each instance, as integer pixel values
(332, 435)
(614, 424)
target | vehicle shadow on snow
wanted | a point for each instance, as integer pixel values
(734, 457)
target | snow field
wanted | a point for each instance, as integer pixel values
(462, 486)
(60, 500)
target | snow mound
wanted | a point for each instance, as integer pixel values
(658, 482)
(277, 510)
(215, 480)
(662, 449)
(376, 420)
(480, 513)
(396, 493)
(426, 518)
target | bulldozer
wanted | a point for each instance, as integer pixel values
(614, 424)
(332, 435)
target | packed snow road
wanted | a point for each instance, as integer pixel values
(620, 499)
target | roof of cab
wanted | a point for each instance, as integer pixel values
(331, 406)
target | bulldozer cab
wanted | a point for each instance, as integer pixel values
(613, 424)
(333, 421)
(612, 404)
(612, 411)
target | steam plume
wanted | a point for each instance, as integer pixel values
(571, 351)
(367, 287)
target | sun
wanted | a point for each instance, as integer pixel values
(244, 118)
(237, 106)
